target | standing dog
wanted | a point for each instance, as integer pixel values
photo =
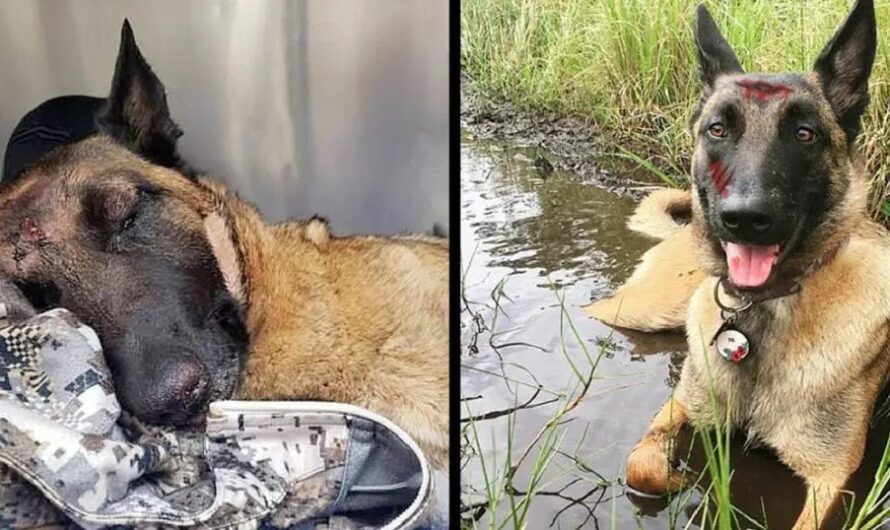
(177, 275)
(787, 324)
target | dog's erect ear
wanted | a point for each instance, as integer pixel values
(136, 113)
(715, 57)
(845, 64)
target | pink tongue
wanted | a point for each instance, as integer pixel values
(750, 266)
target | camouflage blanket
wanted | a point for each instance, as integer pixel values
(73, 460)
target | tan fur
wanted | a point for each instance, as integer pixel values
(824, 350)
(653, 215)
(317, 232)
(361, 320)
(648, 467)
(819, 357)
(832, 378)
(646, 301)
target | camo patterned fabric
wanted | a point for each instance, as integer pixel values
(74, 460)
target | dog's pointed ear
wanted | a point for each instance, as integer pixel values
(715, 57)
(845, 65)
(135, 113)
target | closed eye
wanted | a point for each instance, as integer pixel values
(128, 222)
(144, 193)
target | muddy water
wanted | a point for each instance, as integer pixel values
(526, 238)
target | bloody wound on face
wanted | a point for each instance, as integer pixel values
(753, 89)
(30, 231)
(763, 90)
(720, 176)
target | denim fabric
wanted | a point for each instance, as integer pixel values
(378, 480)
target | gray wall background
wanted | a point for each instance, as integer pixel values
(336, 107)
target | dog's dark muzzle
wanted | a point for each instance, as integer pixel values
(753, 219)
(172, 392)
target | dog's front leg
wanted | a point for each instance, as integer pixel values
(650, 464)
(825, 449)
(822, 494)
(824, 487)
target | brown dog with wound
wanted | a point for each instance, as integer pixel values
(786, 278)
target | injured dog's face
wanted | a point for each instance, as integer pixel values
(95, 229)
(773, 153)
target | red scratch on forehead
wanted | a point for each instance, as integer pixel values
(720, 176)
(763, 90)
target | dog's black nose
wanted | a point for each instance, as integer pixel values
(180, 393)
(749, 221)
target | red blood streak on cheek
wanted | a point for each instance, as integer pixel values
(762, 91)
(720, 177)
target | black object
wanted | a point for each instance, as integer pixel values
(53, 123)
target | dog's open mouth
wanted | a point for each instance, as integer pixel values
(750, 266)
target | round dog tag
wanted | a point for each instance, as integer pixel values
(732, 345)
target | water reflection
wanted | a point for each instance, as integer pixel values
(555, 223)
(523, 228)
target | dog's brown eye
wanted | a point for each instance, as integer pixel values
(805, 134)
(717, 130)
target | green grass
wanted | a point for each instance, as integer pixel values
(874, 510)
(630, 64)
(500, 485)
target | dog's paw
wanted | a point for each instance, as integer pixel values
(649, 470)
